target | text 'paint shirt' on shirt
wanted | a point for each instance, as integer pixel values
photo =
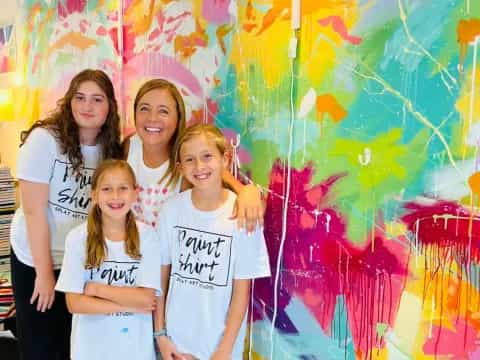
(207, 253)
(123, 335)
(40, 160)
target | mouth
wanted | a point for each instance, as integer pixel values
(152, 129)
(116, 206)
(202, 176)
(87, 115)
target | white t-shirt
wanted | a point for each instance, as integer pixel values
(151, 194)
(118, 335)
(40, 160)
(207, 253)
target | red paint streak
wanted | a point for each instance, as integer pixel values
(338, 25)
(432, 230)
(319, 263)
(154, 34)
(84, 24)
(67, 7)
(101, 31)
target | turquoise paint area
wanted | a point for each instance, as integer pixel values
(310, 343)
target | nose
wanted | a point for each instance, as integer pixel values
(115, 193)
(197, 164)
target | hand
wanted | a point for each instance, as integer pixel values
(249, 208)
(221, 354)
(44, 291)
(168, 349)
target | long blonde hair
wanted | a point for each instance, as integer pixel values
(96, 250)
(161, 84)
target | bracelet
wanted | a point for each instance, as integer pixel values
(161, 332)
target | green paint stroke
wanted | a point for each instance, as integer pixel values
(392, 167)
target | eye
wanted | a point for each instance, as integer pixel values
(188, 160)
(79, 97)
(99, 99)
(106, 188)
(207, 156)
(163, 111)
(143, 108)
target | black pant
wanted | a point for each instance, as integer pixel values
(41, 335)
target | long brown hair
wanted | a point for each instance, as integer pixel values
(65, 129)
(153, 84)
(96, 246)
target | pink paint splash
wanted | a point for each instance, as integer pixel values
(166, 67)
(452, 343)
(216, 11)
(338, 25)
(320, 264)
(67, 7)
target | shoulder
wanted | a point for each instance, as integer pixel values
(176, 202)
(78, 235)
(144, 229)
(131, 145)
(42, 134)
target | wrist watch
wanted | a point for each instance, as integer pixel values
(161, 332)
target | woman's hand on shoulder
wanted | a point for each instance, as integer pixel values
(249, 208)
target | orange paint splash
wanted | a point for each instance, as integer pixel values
(135, 16)
(187, 45)
(74, 39)
(221, 32)
(328, 104)
(467, 31)
(474, 183)
(282, 8)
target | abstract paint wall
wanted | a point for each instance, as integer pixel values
(366, 144)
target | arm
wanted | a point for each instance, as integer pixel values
(166, 346)
(34, 204)
(84, 304)
(236, 314)
(249, 209)
(132, 297)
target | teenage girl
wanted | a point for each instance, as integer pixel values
(55, 164)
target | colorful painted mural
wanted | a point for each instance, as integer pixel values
(365, 139)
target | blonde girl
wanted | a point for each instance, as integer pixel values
(110, 273)
(207, 262)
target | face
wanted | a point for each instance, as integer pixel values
(156, 117)
(202, 163)
(89, 107)
(115, 194)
